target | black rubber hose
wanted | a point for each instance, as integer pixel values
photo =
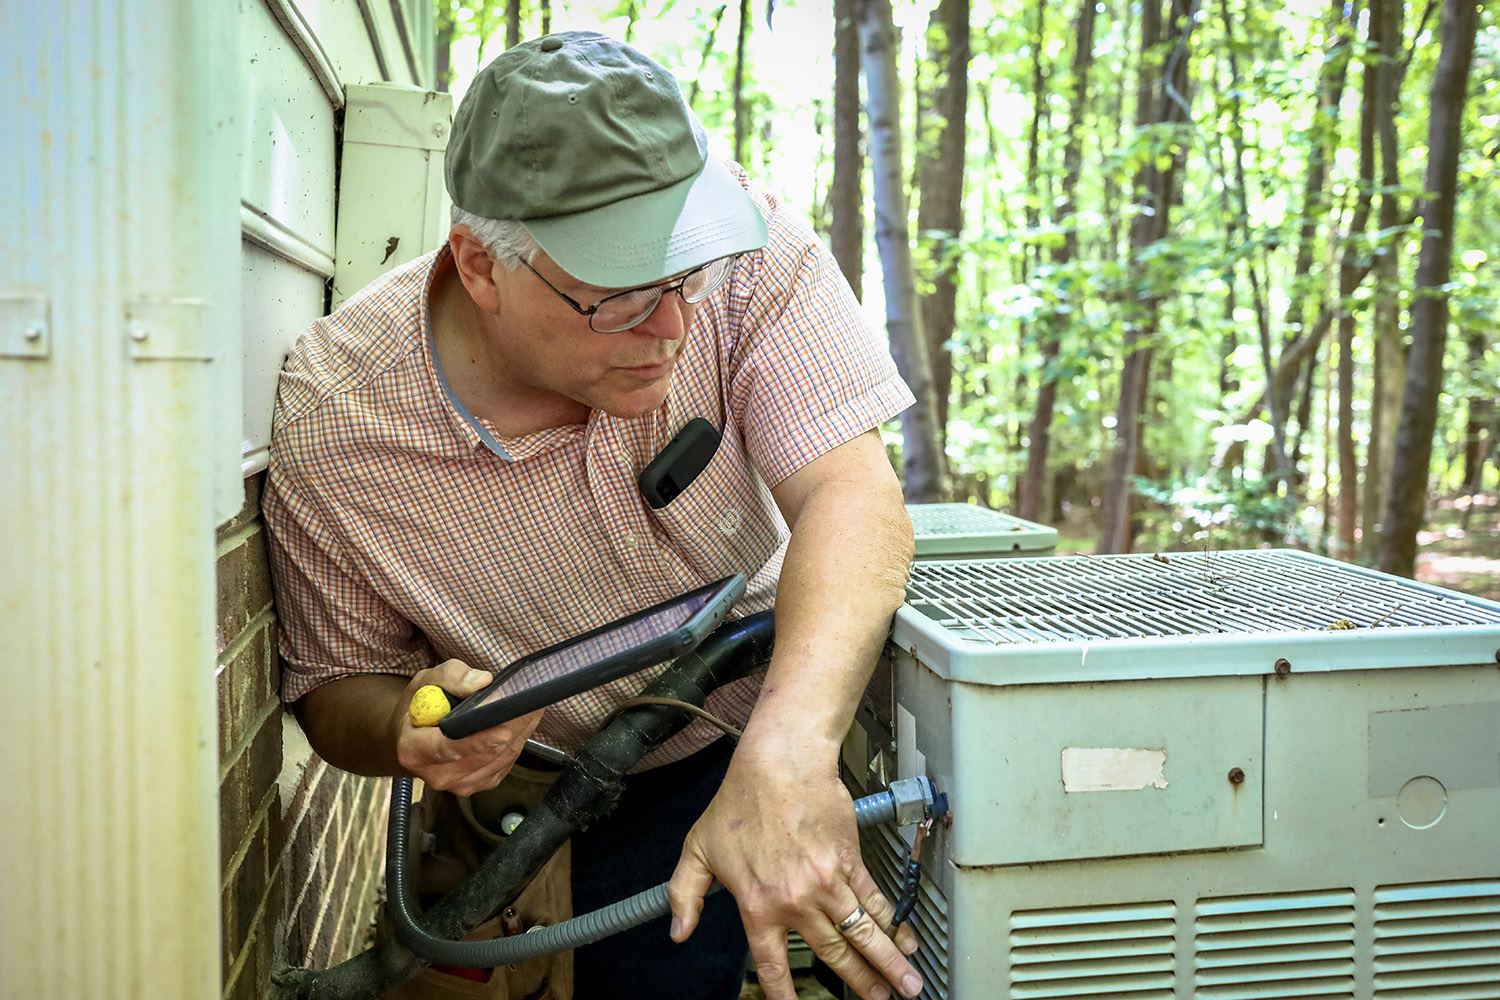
(587, 928)
(584, 793)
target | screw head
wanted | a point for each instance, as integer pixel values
(1283, 667)
(1236, 775)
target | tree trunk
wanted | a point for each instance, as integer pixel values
(1160, 101)
(1039, 435)
(632, 14)
(924, 468)
(940, 169)
(1031, 208)
(741, 115)
(1481, 420)
(1348, 268)
(442, 48)
(1241, 187)
(847, 200)
(545, 6)
(1388, 369)
(1406, 498)
(512, 23)
(1323, 132)
(707, 50)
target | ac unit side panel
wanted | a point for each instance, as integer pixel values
(1066, 771)
(1362, 888)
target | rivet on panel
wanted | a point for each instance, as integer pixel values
(138, 331)
(36, 331)
(1283, 667)
(1236, 775)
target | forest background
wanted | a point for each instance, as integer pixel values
(1164, 274)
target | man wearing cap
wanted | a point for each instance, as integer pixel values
(453, 485)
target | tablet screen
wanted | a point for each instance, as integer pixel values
(621, 637)
(628, 645)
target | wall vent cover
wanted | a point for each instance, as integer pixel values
(1288, 945)
(1093, 951)
(1438, 940)
(1090, 598)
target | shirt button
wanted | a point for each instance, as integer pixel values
(631, 541)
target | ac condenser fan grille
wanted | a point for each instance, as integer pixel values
(962, 519)
(1292, 945)
(1088, 598)
(1093, 952)
(1437, 940)
(885, 854)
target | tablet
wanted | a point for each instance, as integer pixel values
(659, 633)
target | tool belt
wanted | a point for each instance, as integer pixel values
(456, 833)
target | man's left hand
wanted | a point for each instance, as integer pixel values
(780, 835)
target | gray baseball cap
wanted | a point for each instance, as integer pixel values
(590, 143)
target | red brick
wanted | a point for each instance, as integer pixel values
(229, 940)
(241, 687)
(234, 810)
(265, 756)
(244, 585)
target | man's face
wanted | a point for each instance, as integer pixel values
(549, 348)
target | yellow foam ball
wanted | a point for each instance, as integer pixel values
(428, 705)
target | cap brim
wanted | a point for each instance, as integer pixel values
(652, 236)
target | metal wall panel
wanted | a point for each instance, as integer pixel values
(392, 202)
(287, 174)
(121, 205)
(277, 294)
(301, 58)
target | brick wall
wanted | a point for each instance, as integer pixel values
(301, 843)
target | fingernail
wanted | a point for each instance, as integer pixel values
(676, 927)
(909, 948)
(911, 985)
(880, 993)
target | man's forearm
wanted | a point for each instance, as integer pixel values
(843, 578)
(348, 722)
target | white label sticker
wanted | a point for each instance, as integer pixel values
(1112, 769)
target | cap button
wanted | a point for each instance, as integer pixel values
(551, 43)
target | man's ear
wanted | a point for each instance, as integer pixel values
(476, 268)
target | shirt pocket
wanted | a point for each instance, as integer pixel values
(725, 521)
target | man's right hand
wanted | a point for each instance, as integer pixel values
(464, 766)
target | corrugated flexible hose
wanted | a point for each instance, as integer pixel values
(575, 933)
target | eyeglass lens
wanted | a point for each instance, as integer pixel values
(628, 309)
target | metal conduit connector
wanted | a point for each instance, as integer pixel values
(906, 801)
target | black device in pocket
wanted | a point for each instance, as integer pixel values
(678, 464)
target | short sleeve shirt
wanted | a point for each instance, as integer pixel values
(405, 530)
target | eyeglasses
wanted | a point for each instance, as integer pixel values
(623, 310)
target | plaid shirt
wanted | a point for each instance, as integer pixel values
(405, 530)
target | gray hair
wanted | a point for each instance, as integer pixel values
(507, 240)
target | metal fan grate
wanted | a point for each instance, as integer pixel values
(964, 531)
(961, 519)
(1083, 598)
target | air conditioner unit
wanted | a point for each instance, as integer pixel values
(1223, 775)
(964, 531)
